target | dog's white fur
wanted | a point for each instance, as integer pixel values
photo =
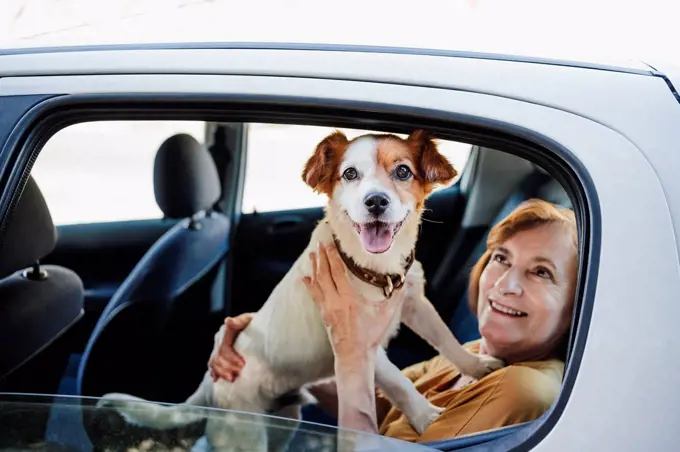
(286, 346)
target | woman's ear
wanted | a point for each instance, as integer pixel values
(322, 166)
(433, 167)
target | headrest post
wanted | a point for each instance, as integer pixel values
(29, 233)
(35, 273)
(194, 225)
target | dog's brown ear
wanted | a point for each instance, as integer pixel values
(434, 168)
(321, 167)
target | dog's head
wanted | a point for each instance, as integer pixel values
(377, 184)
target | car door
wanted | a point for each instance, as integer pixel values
(600, 140)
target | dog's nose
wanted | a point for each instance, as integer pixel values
(376, 203)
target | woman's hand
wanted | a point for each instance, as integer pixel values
(357, 326)
(227, 363)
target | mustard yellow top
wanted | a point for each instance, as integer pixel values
(514, 394)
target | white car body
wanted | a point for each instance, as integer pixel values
(621, 125)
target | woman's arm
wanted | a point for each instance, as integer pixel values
(356, 327)
(355, 382)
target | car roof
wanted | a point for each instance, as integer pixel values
(615, 65)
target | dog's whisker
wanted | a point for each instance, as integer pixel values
(432, 221)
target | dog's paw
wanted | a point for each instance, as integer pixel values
(115, 399)
(481, 365)
(422, 420)
(120, 403)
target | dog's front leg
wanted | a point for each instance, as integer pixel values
(421, 317)
(401, 392)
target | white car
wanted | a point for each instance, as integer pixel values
(600, 138)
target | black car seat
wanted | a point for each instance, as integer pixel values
(140, 340)
(38, 303)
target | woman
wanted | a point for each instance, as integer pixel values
(522, 291)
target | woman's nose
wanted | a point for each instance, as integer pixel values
(510, 283)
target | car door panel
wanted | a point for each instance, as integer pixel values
(265, 247)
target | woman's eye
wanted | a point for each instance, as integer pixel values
(350, 174)
(500, 258)
(543, 273)
(403, 172)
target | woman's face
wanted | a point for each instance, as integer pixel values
(526, 294)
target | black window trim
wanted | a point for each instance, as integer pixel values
(46, 118)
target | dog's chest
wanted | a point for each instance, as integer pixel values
(296, 339)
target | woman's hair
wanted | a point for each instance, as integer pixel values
(528, 215)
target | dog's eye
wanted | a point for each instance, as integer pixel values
(350, 174)
(403, 172)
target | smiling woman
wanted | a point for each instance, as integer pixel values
(522, 288)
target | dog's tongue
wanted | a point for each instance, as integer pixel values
(376, 237)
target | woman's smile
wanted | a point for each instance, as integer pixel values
(505, 310)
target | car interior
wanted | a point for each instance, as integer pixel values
(132, 305)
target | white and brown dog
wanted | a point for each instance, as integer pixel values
(376, 187)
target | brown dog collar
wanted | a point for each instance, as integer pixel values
(388, 282)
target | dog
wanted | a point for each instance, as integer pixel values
(376, 185)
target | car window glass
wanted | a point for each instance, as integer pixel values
(21, 414)
(95, 172)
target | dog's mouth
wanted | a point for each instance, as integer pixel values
(377, 236)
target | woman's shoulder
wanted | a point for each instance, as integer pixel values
(511, 395)
(528, 384)
(531, 383)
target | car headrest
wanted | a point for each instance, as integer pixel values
(554, 192)
(29, 234)
(185, 177)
